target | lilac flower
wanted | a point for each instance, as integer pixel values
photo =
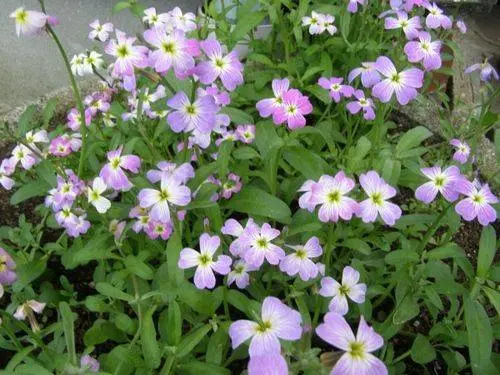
(410, 26)
(477, 204)
(112, 173)
(66, 192)
(300, 261)
(221, 97)
(155, 20)
(6, 169)
(278, 321)
(245, 133)
(259, 246)
(239, 274)
(267, 364)
(337, 90)
(461, 25)
(295, 106)
(155, 229)
(404, 83)
(185, 22)
(95, 197)
(226, 67)
(369, 75)
(357, 359)
(235, 229)
(331, 192)
(352, 7)
(8, 274)
(89, 364)
(167, 170)
(188, 116)
(487, 71)
(60, 146)
(77, 226)
(204, 261)
(116, 228)
(231, 186)
(463, 151)
(172, 50)
(171, 191)
(28, 22)
(436, 18)
(307, 200)
(23, 154)
(362, 103)
(444, 182)
(27, 310)
(142, 218)
(266, 107)
(350, 287)
(378, 192)
(424, 50)
(64, 216)
(75, 119)
(99, 31)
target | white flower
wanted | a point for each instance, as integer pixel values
(95, 195)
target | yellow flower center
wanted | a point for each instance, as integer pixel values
(377, 199)
(264, 327)
(168, 48)
(205, 259)
(357, 350)
(122, 51)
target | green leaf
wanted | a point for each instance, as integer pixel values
(447, 251)
(487, 251)
(246, 23)
(197, 368)
(245, 153)
(28, 272)
(150, 348)
(358, 245)
(26, 121)
(69, 330)
(138, 268)
(242, 302)
(255, 201)
(266, 138)
(174, 247)
(479, 334)
(311, 165)
(422, 351)
(238, 116)
(95, 249)
(223, 157)
(110, 291)
(406, 310)
(30, 190)
(391, 171)
(174, 323)
(216, 346)
(31, 369)
(192, 339)
(411, 139)
(118, 7)
(201, 301)
(48, 111)
(399, 257)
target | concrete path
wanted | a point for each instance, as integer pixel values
(31, 66)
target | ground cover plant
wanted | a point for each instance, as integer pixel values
(240, 196)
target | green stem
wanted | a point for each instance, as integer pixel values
(432, 229)
(402, 356)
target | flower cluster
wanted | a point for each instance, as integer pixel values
(318, 23)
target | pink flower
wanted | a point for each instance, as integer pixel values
(87, 363)
(369, 75)
(331, 192)
(307, 200)
(410, 26)
(187, 116)
(75, 118)
(8, 274)
(350, 287)
(155, 229)
(171, 192)
(378, 192)
(362, 103)
(99, 31)
(436, 18)
(204, 261)
(463, 151)
(357, 359)
(257, 242)
(300, 261)
(239, 274)
(404, 83)
(278, 321)
(226, 67)
(245, 133)
(112, 173)
(235, 229)
(28, 22)
(295, 106)
(477, 204)
(444, 182)
(167, 170)
(267, 107)
(231, 186)
(424, 50)
(337, 90)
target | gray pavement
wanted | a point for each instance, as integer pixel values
(31, 66)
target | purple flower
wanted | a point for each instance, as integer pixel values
(231, 186)
(477, 204)
(167, 170)
(87, 363)
(337, 90)
(307, 200)
(404, 84)
(350, 287)
(155, 229)
(23, 154)
(362, 103)
(410, 26)
(331, 192)
(444, 182)
(266, 107)
(352, 7)
(378, 192)
(369, 75)
(357, 359)
(75, 119)
(8, 274)
(461, 26)
(203, 261)
(487, 71)
(245, 133)
(436, 18)
(259, 247)
(235, 229)
(278, 321)
(172, 50)
(28, 22)
(6, 169)
(295, 106)
(171, 191)
(226, 67)
(99, 31)
(239, 274)
(189, 116)
(463, 151)
(299, 262)
(425, 50)
(112, 173)
(77, 225)
(60, 146)
(267, 364)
